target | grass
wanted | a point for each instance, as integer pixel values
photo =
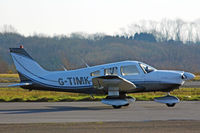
(9, 80)
(21, 95)
(9, 76)
(197, 78)
(188, 94)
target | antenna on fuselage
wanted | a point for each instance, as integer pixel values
(85, 63)
(64, 68)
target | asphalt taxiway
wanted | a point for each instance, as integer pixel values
(54, 112)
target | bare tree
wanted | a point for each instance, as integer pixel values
(167, 29)
(8, 29)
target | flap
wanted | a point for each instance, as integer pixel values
(112, 81)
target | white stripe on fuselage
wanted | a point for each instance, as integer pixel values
(56, 79)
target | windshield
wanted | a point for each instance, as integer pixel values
(146, 68)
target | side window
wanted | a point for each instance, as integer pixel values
(111, 71)
(96, 73)
(129, 70)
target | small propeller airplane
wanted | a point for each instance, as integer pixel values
(114, 80)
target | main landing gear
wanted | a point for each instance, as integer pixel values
(170, 104)
(116, 107)
(118, 102)
(169, 100)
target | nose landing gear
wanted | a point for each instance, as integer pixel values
(169, 100)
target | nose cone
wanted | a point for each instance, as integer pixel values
(188, 76)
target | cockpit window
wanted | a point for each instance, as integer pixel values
(129, 70)
(146, 68)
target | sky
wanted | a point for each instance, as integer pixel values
(52, 17)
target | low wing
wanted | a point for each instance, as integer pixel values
(114, 84)
(105, 82)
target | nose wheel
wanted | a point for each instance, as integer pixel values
(170, 104)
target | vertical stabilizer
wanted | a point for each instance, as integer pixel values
(25, 65)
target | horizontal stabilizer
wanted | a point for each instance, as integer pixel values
(20, 84)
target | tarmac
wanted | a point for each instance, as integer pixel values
(95, 117)
(58, 112)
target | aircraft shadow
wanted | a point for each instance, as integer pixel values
(53, 109)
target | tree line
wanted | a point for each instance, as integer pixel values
(166, 30)
(159, 49)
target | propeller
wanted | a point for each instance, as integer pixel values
(187, 76)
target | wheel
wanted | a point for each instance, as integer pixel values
(170, 104)
(116, 107)
(126, 105)
(129, 97)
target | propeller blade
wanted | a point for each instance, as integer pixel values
(187, 76)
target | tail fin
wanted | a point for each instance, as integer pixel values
(25, 65)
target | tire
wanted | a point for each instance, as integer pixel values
(116, 107)
(171, 104)
(129, 97)
(126, 105)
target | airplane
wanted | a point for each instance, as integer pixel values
(115, 80)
